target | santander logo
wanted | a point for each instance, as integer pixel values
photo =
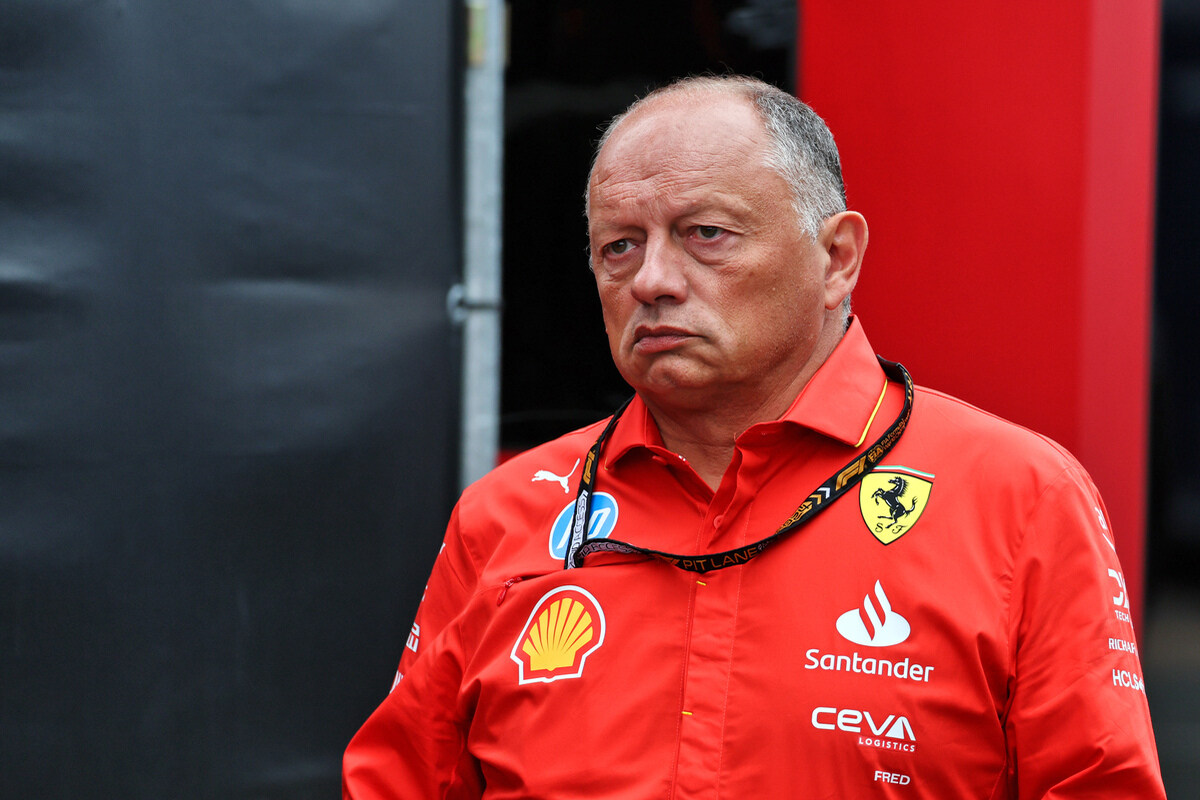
(875, 624)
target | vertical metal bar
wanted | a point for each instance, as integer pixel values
(480, 292)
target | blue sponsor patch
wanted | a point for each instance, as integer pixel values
(600, 526)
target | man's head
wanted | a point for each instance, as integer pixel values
(721, 246)
(800, 147)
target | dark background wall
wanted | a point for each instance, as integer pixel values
(1175, 492)
(227, 383)
(1171, 652)
(573, 66)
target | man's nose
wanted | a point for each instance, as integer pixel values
(662, 276)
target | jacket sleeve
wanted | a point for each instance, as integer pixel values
(413, 745)
(1077, 721)
(450, 584)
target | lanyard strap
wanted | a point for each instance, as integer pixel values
(822, 497)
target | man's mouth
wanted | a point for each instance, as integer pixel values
(658, 339)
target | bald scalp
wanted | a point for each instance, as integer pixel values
(799, 147)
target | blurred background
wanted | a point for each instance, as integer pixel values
(236, 373)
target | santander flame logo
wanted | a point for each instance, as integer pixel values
(875, 624)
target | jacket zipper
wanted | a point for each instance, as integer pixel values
(504, 589)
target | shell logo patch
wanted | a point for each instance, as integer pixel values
(892, 499)
(564, 628)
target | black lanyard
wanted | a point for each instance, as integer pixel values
(833, 488)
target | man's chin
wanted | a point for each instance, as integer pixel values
(675, 381)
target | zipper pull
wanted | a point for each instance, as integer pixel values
(504, 589)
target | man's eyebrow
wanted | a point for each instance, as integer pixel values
(614, 213)
(722, 203)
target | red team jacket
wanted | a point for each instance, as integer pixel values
(957, 627)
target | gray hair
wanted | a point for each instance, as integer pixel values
(800, 148)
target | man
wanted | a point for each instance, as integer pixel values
(937, 608)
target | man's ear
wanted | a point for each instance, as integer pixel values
(844, 239)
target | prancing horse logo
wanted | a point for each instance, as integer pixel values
(892, 496)
(561, 480)
(900, 493)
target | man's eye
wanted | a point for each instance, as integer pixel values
(709, 231)
(619, 247)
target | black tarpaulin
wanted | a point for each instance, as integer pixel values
(227, 383)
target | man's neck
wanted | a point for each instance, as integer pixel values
(706, 438)
(703, 425)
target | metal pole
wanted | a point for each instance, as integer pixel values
(476, 302)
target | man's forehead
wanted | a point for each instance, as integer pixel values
(683, 133)
(672, 198)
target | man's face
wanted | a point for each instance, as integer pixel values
(710, 289)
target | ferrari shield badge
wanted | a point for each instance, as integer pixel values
(892, 499)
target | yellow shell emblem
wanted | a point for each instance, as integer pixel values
(892, 499)
(564, 628)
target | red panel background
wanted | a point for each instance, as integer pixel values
(1003, 155)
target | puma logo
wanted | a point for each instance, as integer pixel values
(561, 480)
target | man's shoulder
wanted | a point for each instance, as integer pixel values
(541, 477)
(556, 462)
(970, 430)
(509, 519)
